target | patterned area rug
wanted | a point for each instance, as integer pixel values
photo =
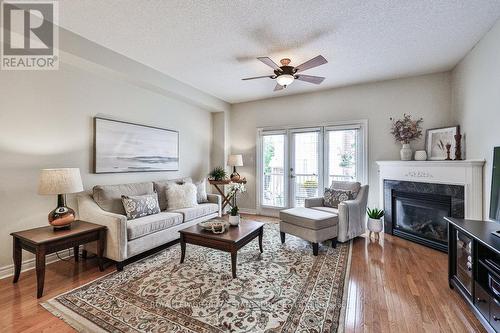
(285, 289)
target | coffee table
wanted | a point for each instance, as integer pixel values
(230, 241)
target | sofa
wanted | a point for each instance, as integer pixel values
(128, 238)
(317, 223)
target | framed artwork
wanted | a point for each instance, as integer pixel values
(126, 147)
(436, 140)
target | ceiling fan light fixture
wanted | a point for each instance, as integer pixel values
(285, 79)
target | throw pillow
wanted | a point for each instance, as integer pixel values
(334, 197)
(140, 205)
(201, 191)
(181, 196)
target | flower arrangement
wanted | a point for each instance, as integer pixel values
(406, 129)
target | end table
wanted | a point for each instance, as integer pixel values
(45, 240)
(219, 185)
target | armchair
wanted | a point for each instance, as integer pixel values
(351, 213)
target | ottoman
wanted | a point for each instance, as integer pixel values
(312, 225)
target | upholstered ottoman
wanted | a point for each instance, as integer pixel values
(312, 225)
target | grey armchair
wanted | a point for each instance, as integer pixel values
(351, 213)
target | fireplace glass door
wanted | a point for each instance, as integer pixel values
(423, 218)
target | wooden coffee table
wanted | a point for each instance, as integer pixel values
(230, 241)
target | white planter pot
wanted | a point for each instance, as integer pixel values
(420, 155)
(234, 220)
(375, 225)
(406, 152)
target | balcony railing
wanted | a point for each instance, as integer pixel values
(306, 186)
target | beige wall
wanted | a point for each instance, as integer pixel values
(423, 96)
(476, 102)
(46, 122)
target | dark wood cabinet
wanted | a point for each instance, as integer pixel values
(474, 267)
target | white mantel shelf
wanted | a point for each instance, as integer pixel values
(468, 173)
(434, 163)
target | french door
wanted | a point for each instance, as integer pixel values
(298, 163)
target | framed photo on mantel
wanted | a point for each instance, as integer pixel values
(436, 140)
(126, 147)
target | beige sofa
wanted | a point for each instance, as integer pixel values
(128, 238)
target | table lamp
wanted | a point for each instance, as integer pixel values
(234, 161)
(60, 182)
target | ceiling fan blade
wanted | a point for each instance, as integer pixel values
(278, 87)
(270, 63)
(258, 77)
(310, 78)
(314, 62)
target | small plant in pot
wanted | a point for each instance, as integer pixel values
(234, 216)
(218, 173)
(375, 223)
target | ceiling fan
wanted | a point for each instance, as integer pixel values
(286, 74)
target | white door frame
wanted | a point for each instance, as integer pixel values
(362, 165)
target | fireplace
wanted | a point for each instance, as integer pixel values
(416, 210)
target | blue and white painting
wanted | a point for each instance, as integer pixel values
(126, 147)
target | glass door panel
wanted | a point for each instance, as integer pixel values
(273, 160)
(305, 166)
(342, 155)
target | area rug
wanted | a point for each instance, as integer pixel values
(284, 289)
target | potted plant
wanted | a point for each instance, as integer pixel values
(218, 173)
(404, 131)
(375, 223)
(234, 216)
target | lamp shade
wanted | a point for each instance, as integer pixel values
(235, 160)
(60, 181)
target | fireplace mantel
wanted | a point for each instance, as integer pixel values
(468, 173)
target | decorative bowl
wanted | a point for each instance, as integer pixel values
(216, 226)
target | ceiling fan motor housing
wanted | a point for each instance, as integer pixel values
(290, 70)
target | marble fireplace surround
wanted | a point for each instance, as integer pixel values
(467, 173)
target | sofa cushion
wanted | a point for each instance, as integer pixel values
(330, 210)
(333, 197)
(354, 187)
(198, 211)
(309, 218)
(160, 187)
(140, 205)
(146, 225)
(109, 197)
(181, 196)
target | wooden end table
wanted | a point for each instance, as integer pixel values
(45, 240)
(230, 241)
(219, 186)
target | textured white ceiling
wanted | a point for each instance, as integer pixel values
(211, 45)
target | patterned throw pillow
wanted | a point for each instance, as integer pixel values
(334, 197)
(140, 205)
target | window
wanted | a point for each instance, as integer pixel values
(294, 164)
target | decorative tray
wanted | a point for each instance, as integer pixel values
(217, 226)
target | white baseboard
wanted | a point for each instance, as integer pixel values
(248, 211)
(28, 264)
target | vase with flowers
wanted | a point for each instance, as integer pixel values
(404, 131)
(234, 216)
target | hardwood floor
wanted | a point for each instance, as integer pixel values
(394, 286)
